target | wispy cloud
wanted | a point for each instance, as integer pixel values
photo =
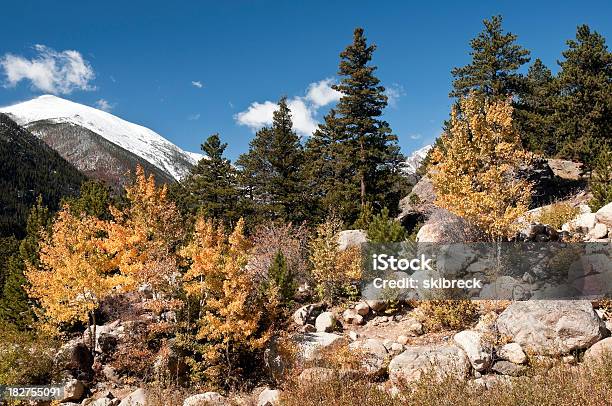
(394, 93)
(416, 136)
(51, 71)
(104, 105)
(303, 108)
(194, 117)
(197, 83)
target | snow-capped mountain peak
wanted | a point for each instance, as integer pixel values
(413, 162)
(139, 140)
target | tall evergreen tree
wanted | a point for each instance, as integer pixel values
(495, 61)
(535, 109)
(272, 170)
(584, 108)
(354, 145)
(210, 188)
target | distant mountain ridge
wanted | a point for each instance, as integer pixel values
(413, 163)
(99, 143)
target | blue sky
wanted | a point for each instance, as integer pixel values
(142, 58)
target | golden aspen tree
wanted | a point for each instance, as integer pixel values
(144, 237)
(476, 175)
(75, 273)
(235, 319)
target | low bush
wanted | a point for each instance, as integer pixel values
(557, 214)
(26, 358)
(448, 314)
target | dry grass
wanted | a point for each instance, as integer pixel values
(562, 385)
(557, 214)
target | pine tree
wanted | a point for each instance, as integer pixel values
(281, 278)
(354, 145)
(584, 108)
(272, 171)
(384, 229)
(495, 61)
(38, 225)
(94, 200)
(601, 181)
(210, 188)
(535, 109)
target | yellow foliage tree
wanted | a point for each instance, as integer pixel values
(144, 237)
(235, 317)
(333, 270)
(75, 272)
(476, 172)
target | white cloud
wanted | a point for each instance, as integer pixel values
(321, 93)
(197, 84)
(394, 93)
(104, 105)
(194, 117)
(50, 71)
(303, 109)
(415, 136)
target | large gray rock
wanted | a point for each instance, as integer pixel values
(373, 355)
(600, 230)
(74, 356)
(551, 327)
(325, 322)
(508, 368)
(512, 352)
(351, 238)
(477, 350)
(310, 344)
(444, 227)
(417, 361)
(604, 215)
(599, 350)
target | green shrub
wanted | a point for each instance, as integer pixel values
(383, 229)
(557, 214)
(601, 179)
(26, 357)
(448, 314)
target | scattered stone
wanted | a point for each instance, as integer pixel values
(473, 344)
(568, 359)
(512, 352)
(206, 399)
(402, 340)
(551, 327)
(604, 215)
(325, 322)
(416, 361)
(74, 356)
(269, 397)
(412, 327)
(110, 374)
(508, 368)
(146, 291)
(565, 169)
(377, 305)
(373, 354)
(136, 398)
(597, 351)
(353, 335)
(362, 308)
(73, 390)
(396, 348)
(352, 317)
(305, 314)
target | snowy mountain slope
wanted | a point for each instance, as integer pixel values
(413, 162)
(139, 140)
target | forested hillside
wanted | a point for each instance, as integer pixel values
(30, 168)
